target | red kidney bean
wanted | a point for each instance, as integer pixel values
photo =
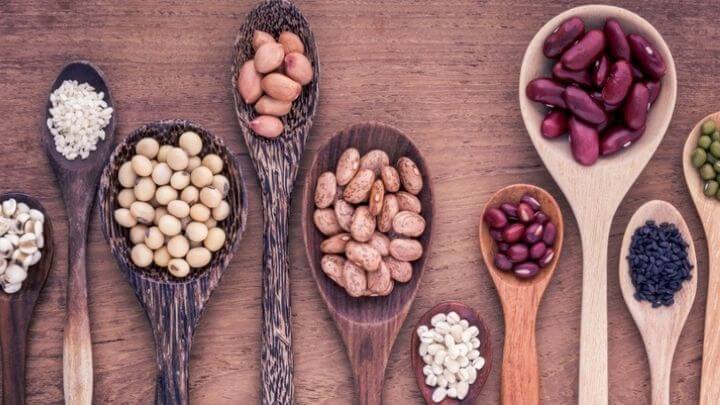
(617, 43)
(525, 212)
(526, 270)
(583, 106)
(585, 51)
(600, 71)
(533, 233)
(518, 253)
(531, 201)
(584, 142)
(549, 234)
(572, 76)
(540, 217)
(509, 209)
(564, 35)
(637, 74)
(496, 234)
(611, 107)
(546, 91)
(495, 218)
(646, 56)
(537, 250)
(636, 107)
(618, 83)
(618, 137)
(546, 258)
(502, 262)
(601, 127)
(653, 89)
(513, 233)
(554, 124)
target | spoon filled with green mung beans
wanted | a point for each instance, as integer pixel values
(706, 157)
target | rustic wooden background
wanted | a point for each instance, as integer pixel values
(445, 72)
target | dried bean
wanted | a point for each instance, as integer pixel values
(618, 137)
(525, 212)
(526, 270)
(584, 142)
(513, 233)
(617, 42)
(585, 51)
(653, 90)
(502, 262)
(618, 83)
(563, 37)
(495, 218)
(636, 107)
(646, 56)
(537, 250)
(534, 233)
(549, 234)
(546, 91)
(554, 124)
(509, 209)
(546, 258)
(601, 70)
(563, 74)
(531, 201)
(518, 253)
(583, 106)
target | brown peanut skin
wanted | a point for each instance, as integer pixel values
(344, 212)
(333, 266)
(377, 194)
(291, 42)
(269, 57)
(354, 278)
(363, 255)
(326, 222)
(281, 87)
(407, 250)
(347, 166)
(326, 190)
(260, 38)
(358, 189)
(269, 106)
(380, 282)
(335, 244)
(389, 209)
(410, 176)
(400, 271)
(363, 224)
(390, 178)
(248, 83)
(408, 202)
(298, 68)
(380, 242)
(375, 160)
(407, 223)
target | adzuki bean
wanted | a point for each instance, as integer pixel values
(525, 212)
(495, 218)
(510, 210)
(648, 59)
(513, 233)
(538, 250)
(549, 234)
(534, 233)
(563, 37)
(617, 43)
(554, 124)
(502, 262)
(526, 270)
(547, 257)
(585, 51)
(636, 107)
(518, 253)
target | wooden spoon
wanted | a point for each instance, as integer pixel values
(595, 192)
(473, 318)
(78, 181)
(520, 380)
(660, 327)
(708, 209)
(368, 325)
(16, 311)
(173, 306)
(277, 162)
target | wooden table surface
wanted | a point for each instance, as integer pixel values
(444, 72)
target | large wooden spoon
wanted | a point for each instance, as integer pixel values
(16, 311)
(78, 180)
(368, 325)
(520, 375)
(595, 192)
(708, 209)
(277, 162)
(660, 327)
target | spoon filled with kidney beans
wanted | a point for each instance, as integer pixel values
(524, 235)
(602, 86)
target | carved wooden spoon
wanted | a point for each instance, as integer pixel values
(520, 380)
(78, 181)
(473, 318)
(595, 192)
(173, 306)
(660, 327)
(708, 209)
(368, 325)
(16, 311)
(277, 162)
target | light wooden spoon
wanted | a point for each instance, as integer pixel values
(520, 379)
(708, 209)
(660, 327)
(595, 192)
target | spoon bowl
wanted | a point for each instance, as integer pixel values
(485, 349)
(368, 325)
(520, 300)
(173, 306)
(660, 327)
(594, 192)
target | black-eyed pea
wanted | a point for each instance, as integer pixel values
(199, 213)
(154, 239)
(222, 211)
(191, 143)
(141, 165)
(137, 234)
(179, 268)
(163, 152)
(178, 208)
(161, 174)
(165, 194)
(215, 239)
(162, 257)
(126, 197)
(198, 257)
(124, 218)
(147, 147)
(213, 162)
(169, 225)
(196, 231)
(221, 183)
(141, 255)
(193, 163)
(159, 212)
(144, 189)
(177, 159)
(180, 180)
(201, 177)
(210, 196)
(126, 175)
(190, 195)
(143, 212)
(211, 223)
(178, 246)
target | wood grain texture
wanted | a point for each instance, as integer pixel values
(611, 177)
(660, 327)
(368, 325)
(446, 74)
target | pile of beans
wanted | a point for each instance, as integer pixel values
(524, 235)
(659, 264)
(706, 158)
(22, 241)
(601, 89)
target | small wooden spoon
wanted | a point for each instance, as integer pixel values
(173, 306)
(595, 192)
(16, 311)
(368, 325)
(473, 318)
(520, 380)
(708, 209)
(660, 327)
(78, 181)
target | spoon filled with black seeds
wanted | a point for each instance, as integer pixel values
(657, 262)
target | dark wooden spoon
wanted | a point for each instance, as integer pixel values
(276, 162)
(473, 318)
(78, 181)
(368, 325)
(16, 311)
(173, 306)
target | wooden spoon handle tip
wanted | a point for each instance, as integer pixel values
(172, 351)
(710, 381)
(14, 321)
(520, 378)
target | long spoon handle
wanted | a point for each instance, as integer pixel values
(593, 379)
(77, 343)
(520, 377)
(277, 356)
(15, 322)
(710, 381)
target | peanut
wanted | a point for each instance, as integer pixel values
(267, 126)
(281, 87)
(269, 106)
(291, 42)
(248, 83)
(268, 57)
(326, 190)
(410, 176)
(406, 250)
(363, 255)
(347, 166)
(260, 38)
(298, 68)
